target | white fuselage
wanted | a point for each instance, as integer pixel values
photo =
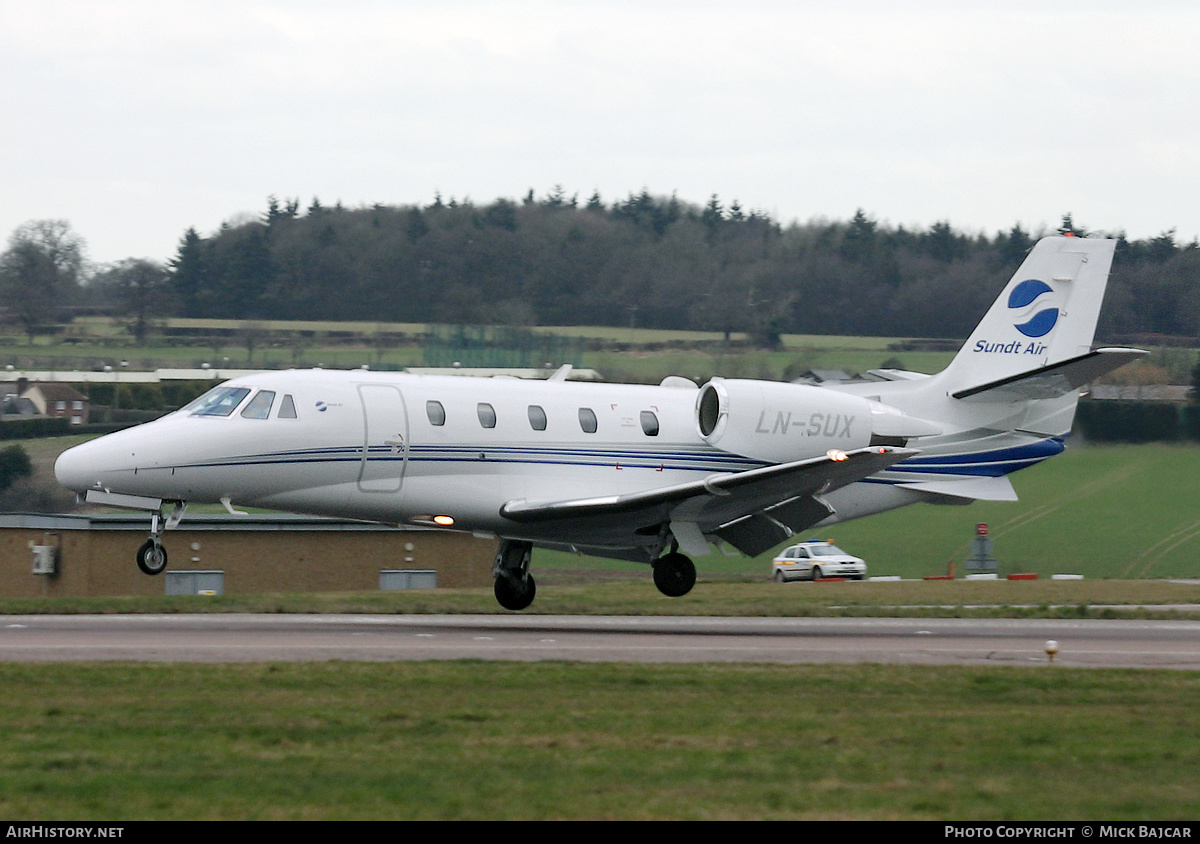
(405, 449)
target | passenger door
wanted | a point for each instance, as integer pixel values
(385, 438)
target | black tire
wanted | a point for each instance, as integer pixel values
(816, 573)
(779, 578)
(152, 558)
(512, 596)
(674, 575)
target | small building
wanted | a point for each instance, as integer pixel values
(58, 400)
(93, 555)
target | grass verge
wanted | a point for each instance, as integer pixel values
(576, 593)
(549, 740)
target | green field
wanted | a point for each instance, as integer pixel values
(639, 355)
(491, 741)
(619, 354)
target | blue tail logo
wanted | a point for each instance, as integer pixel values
(1027, 299)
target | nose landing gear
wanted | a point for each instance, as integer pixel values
(152, 556)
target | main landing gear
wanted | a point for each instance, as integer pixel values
(152, 556)
(674, 574)
(514, 587)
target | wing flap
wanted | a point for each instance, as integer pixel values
(757, 532)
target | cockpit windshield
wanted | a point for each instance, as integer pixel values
(219, 401)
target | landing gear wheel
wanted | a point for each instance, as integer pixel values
(514, 589)
(152, 557)
(674, 575)
(512, 595)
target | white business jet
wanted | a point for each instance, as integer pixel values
(644, 473)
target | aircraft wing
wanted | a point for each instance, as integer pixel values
(1054, 380)
(752, 510)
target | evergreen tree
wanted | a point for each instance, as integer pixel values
(190, 279)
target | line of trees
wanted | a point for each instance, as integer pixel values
(649, 261)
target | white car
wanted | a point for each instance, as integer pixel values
(814, 559)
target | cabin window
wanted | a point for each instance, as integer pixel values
(259, 407)
(649, 423)
(587, 420)
(487, 414)
(436, 413)
(537, 418)
(287, 408)
(219, 401)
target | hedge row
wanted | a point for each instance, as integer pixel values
(1137, 421)
(34, 427)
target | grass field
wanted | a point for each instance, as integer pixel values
(586, 592)
(1100, 511)
(474, 740)
(639, 355)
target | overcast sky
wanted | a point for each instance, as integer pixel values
(135, 119)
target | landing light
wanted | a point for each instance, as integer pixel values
(835, 455)
(444, 521)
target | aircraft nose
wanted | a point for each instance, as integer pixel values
(92, 463)
(71, 469)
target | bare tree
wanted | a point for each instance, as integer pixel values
(138, 288)
(40, 271)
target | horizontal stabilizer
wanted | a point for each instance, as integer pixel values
(968, 488)
(1048, 382)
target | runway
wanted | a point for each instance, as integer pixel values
(279, 637)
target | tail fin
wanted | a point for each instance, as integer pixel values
(1046, 315)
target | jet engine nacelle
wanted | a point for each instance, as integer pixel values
(779, 422)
